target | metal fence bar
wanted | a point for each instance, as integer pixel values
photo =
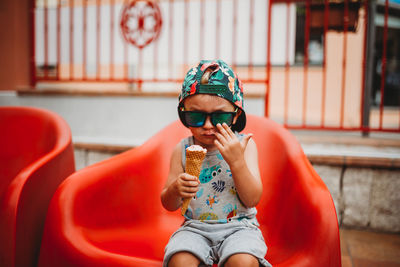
(251, 40)
(98, 40)
(112, 41)
(139, 70)
(364, 66)
(32, 63)
(287, 66)
(202, 33)
(323, 94)
(234, 33)
(170, 37)
(46, 39)
(344, 62)
(383, 75)
(71, 40)
(155, 59)
(126, 55)
(305, 62)
(58, 39)
(268, 61)
(185, 34)
(218, 29)
(84, 40)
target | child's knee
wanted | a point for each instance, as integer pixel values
(241, 259)
(183, 259)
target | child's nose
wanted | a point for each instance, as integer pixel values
(207, 123)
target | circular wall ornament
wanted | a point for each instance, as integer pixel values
(141, 22)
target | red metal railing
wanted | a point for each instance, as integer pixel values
(384, 53)
(82, 41)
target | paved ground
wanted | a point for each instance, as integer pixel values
(364, 249)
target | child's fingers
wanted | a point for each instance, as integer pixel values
(187, 179)
(190, 189)
(221, 138)
(219, 145)
(187, 185)
(192, 183)
(246, 140)
(222, 131)
(187, 194)
(228, 130)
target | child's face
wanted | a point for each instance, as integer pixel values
(205, 135)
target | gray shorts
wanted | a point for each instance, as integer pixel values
(215, 243)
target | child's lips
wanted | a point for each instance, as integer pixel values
(209, 135)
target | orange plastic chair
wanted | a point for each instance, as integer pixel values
(36, 155)
(110, 213)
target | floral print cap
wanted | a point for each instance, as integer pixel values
(222, 82)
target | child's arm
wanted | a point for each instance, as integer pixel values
(179, 184)
(243, 160)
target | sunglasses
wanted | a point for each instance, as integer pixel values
(198, 118)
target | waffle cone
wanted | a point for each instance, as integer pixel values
(194, 159)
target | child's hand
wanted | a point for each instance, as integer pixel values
(229, 145)
(187, 185)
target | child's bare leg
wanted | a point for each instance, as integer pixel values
(183, 259)
(241, 259)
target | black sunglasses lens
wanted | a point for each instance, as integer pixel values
(195, 119)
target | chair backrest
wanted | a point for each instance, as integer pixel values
(36, 154)
(296, 210)
(132, 180)
(24, 138)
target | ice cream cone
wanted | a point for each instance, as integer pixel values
(194, 158)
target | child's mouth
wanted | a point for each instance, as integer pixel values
(209, 135)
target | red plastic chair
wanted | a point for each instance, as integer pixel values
(36, 155)
(110, 213)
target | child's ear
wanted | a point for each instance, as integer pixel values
(237, 116)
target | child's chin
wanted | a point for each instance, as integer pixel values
(206, 140)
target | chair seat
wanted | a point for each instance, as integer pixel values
(135, 241)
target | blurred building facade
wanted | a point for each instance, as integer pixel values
(112, 69)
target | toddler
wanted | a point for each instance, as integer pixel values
(220, 224)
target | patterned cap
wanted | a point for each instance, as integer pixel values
(222, 82)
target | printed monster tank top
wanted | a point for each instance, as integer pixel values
(216, 200)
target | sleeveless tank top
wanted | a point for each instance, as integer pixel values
(217, 200)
